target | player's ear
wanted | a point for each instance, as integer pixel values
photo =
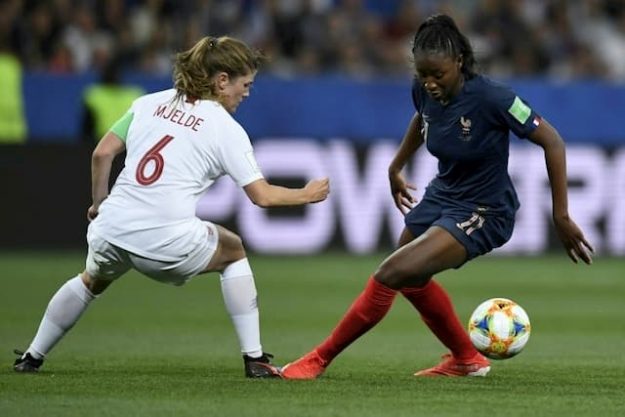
(221, 80)
(459, 61)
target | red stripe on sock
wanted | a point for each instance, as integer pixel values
(365, 312)
(437, 311)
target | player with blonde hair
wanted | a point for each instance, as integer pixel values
(177, 142)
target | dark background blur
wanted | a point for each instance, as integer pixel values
(559, 39)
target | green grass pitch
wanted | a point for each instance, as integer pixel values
(147, 349)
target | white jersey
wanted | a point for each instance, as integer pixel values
(173, 154)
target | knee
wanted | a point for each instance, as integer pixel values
(232, 245)
(237, 246)
(392, 276)
(95, 286)
(389, 275)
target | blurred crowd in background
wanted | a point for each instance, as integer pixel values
(560, 39)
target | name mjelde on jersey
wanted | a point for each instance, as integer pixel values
(179, 117)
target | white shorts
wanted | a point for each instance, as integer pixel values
(108, 262)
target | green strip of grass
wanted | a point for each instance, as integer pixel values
(146, 349)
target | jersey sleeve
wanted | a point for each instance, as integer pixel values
(237, 157)
(512, 111)
(120, 127)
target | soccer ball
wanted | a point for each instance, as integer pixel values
(499, 328)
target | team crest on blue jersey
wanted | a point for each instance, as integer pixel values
(466, 129)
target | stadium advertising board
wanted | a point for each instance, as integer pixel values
(360, 207)
(292, 123)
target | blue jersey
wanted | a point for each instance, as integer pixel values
(470, 138)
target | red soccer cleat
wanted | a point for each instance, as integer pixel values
(478, 365)
(309, 366)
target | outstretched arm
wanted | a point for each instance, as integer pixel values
(400, 189)
(101, 161)
(576, 245)
(263, 194)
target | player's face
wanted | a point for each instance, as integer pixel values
(232, 91)
(440, 75)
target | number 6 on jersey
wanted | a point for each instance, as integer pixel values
(152, 155)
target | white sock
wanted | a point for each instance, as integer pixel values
(64, 310)
(239, 292)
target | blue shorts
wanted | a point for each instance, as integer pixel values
(477, 230)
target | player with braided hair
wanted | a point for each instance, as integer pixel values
(467, 210)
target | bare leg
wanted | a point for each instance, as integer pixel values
(412, 264)
(240, 297)
(437, 311)
(238, 289)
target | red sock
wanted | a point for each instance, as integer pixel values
(365, 312)
(438, 313)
